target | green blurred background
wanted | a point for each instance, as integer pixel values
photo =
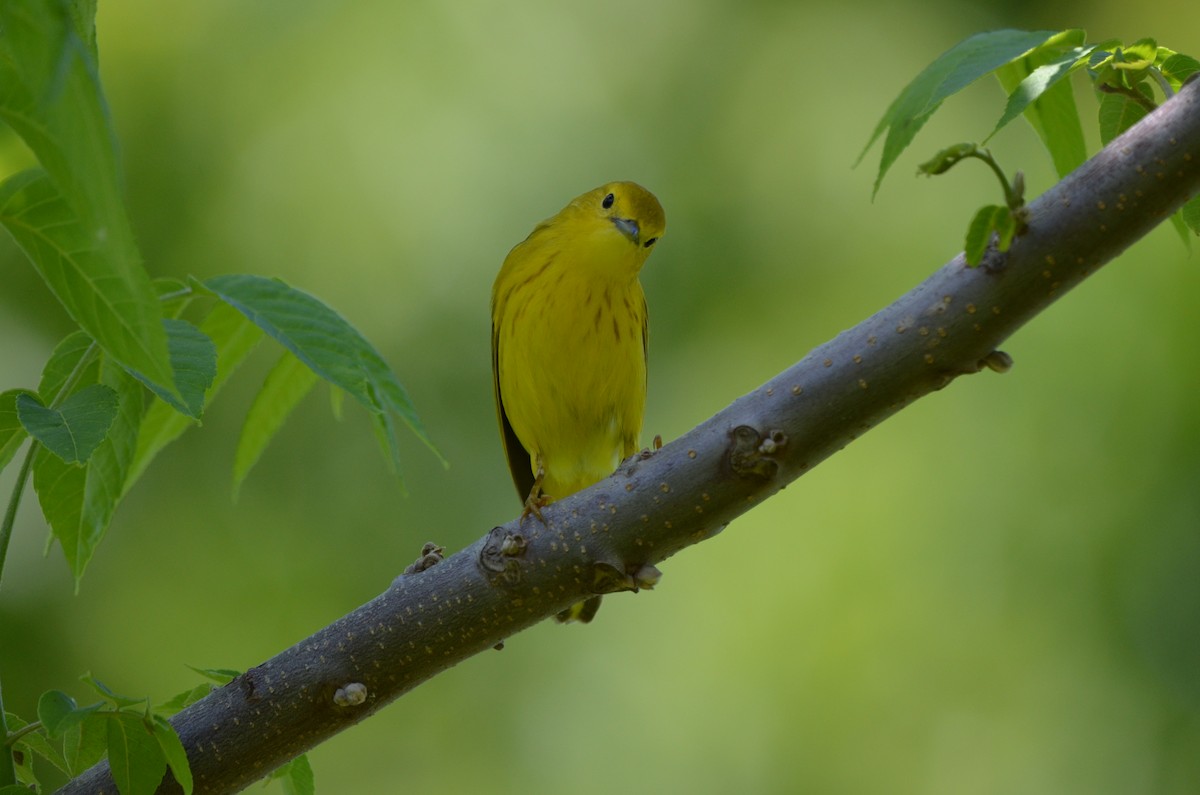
(996, 591)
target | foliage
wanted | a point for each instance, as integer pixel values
(1032, 68)
(137, 373)
(150, 355)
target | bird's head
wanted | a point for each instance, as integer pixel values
(628, 209)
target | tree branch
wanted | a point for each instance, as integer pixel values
(609, 537)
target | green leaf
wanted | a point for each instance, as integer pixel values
(71, 219)
(107, 293)
(287, 383)
(1037, 88)
(337, 398)
(385, 433)
(58, 712)
(952, 71)
(235, 338)
(76, 428)
(1137, 57)
(1181, 229)
(181, 701)
(51, 97)
(134, 754)
(172, 750)
(174, 295)
(221, 676)
(78, 502)
(1190, 214)
(296, 776)
(194, 362)
(14, 789)
(66, 357)
(53, 706)
(979, 233)
(118, 701)
(36, 743)
(947, 159)
(1177, 68)
(1055, 119)
(324, 341)
(1117, 114)
(31, 744)
(23, 765)
(12, 432)
(85, 743)
(1006, 229)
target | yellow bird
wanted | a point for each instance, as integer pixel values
(569, 346)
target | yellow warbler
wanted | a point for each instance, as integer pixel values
(569, 345)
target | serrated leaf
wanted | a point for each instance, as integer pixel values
(66, 357)
(110, 297)
(71, 219)
(174, 295)
(23, 765)
(385, 433)
(337, 398)
(172, 750)
(74, 429)
(949, 73)
(134, 756)
(194, 362)
(78, 502)
(181, 701)
(58, 712)
(947, 159)
(285, 386)
(84, 743)
(53, 707)
(235, 338)
(296, 776)
(1059, 127)
(1177, 68)
(118, 701)
(51, 97)
(1181, 229)
(1190, 214)
(36, 743)
(1137, 56)
(323, 340)
(1117, 114)
(1006, 229)
(12, 432)
(1038, 89)
(221, 676)
(980, 230)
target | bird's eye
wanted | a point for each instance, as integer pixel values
(650, 242)
(608, 201)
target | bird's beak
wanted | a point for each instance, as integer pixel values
(629, 228)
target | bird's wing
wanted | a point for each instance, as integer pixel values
(631, 444)
(519, 462)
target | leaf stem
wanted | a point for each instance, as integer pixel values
(1130, 93)
(1010, 197)
(10, 513)
(73, 378)
(11, 739)
(1162, 81)
(8, 771)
